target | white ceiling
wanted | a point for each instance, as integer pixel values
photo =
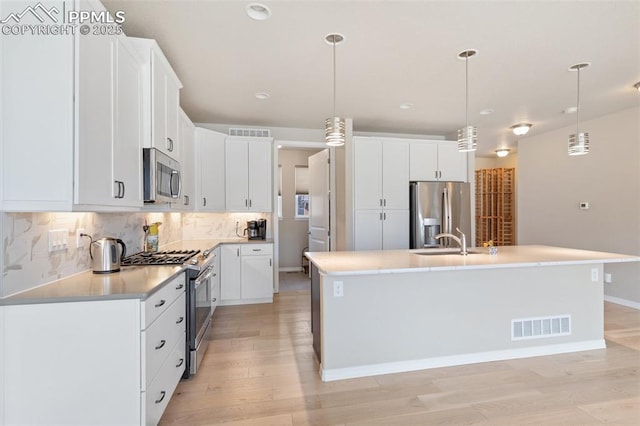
(396, 52)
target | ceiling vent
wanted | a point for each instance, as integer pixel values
(254, 133)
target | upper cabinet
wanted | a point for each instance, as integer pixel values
(161, 98)
(437, 161)
(71, 114)
(248, 173)
(187, 160)
(210, 170)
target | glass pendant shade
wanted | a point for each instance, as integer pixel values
(334, 131)
(579, 145)
(467, 139)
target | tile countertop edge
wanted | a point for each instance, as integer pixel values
(40, 297)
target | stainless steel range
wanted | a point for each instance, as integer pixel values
(200, 273)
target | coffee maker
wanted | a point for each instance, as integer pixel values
(256, 229)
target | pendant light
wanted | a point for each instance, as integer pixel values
(578, 141)
(334, 132)
(467, 136)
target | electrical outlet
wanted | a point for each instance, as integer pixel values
(608, 278)
(338, 289)
(79, 239)
(594, 274)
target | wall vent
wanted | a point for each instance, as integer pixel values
(536, 328)
(254, 133)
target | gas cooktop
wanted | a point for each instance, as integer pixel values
(170, 257)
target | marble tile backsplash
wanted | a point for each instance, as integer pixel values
(27, 263)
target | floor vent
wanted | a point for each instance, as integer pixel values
(254, 133)
(536, 328)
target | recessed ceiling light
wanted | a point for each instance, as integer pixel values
(502, 152)
(570, 110)
(406, 105)
(521, 128)
(258, 11)
(486, 111)
(262, 96)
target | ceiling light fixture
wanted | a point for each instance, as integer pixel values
(334, 131)
(578, 141)
(258, 11)
(637, 86)
(467, 136)
(486, 111)
(406, 105)
(521, 129)
(262, 96)
(502, 152)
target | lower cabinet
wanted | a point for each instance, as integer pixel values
(94, 362)
(381, 230)
(246, 274)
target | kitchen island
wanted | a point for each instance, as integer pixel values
(379, 312)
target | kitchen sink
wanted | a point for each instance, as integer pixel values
(442, 252)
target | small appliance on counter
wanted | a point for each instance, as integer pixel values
(256, 229)
(105, 258)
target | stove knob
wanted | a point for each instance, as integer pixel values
(206, 253)
(194, 261)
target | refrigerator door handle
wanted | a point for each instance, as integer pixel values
(446, 213)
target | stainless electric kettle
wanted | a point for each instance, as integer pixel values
(104, 255)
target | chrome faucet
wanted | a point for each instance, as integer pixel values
(462, 241)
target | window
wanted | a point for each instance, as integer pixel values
(302, 192)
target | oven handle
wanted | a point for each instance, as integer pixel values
(204, 276)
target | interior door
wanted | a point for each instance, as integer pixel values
(319, 225)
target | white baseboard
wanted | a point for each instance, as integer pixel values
(290, 269)
(328, 375)
(623, 302)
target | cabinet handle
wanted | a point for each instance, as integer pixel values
(186, 200)
(120, 193)
(180, 287)
(162, 394)
(180, 363)
(238, 251)
(384, 202)
(162, 302)
(269, 262)
(384, 216)
(257, 249)
(204, 202)
(380, 216)
(380, 202)
(123, 189)
(180, 320)
(215, 275)
(246, 202)
(249, 202)
(161, 345)
(169, 145)
(214, 299)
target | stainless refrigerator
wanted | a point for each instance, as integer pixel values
(438, 207)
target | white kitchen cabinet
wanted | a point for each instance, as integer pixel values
(381, 194)
(210, 170)
(248, 174)
(102, 361)
(84, 94)
(187, 160)
(247, 274)
(161, 97)
(215, 280)
(437, 161)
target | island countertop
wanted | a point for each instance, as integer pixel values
(395, 261)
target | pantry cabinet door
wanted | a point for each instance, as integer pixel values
(259, 179)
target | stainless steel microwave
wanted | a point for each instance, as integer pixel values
(162, 180)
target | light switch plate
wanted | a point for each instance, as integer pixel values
(58, 239)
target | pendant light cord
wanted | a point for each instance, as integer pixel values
(334, 75)
(578, 106)
(466, 93)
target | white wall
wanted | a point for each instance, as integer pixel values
(551, 184)
(293, 236)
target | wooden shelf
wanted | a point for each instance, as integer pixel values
(495, 206)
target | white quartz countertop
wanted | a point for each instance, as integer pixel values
(132, 282)
(398, 261)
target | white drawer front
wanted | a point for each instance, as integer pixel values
(159, 392)
(158, 302)
(256, 249)
(162, 336)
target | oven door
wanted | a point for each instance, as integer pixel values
(200, 317)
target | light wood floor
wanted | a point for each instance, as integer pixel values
(260, 370)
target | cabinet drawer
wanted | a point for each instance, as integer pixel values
(159, 392)
(158, 302)
(159, 339)
(256, 249)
